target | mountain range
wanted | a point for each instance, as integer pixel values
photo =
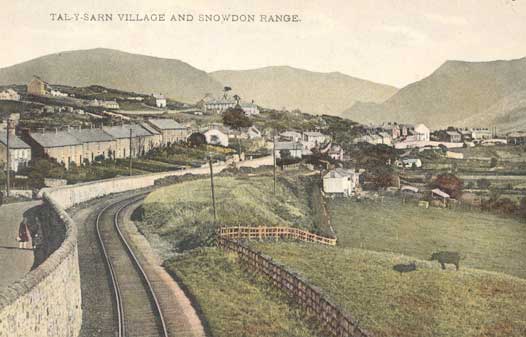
(475, 94)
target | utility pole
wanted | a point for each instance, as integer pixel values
(274, 158)
(212, 187)
(8, 158)
(131, 151)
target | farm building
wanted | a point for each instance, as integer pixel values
(157, 100)
(341, 182)
(171, 131)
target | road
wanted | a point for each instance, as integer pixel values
(15, 262)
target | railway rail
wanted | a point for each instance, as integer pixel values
(137, 308)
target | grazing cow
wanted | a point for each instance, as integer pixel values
(405, 268)
(446, 257)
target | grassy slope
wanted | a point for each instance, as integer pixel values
(428, 302)
(486, 241)
(183, 214)
(233, 304)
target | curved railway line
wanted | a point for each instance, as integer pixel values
(137, 308)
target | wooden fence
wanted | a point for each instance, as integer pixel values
(264, 232)
(333, 319)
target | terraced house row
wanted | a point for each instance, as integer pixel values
(83, 146)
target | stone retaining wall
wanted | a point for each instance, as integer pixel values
(47, 301)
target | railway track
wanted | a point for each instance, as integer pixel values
(136, 306)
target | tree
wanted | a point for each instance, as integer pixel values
(448, 183)
(197, 139)
(225, 91)
(236, 118)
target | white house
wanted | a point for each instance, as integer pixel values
(253, 133)
(219, 105)
(9, 95)
(19, 151)
(421, 133)
(341, 182)
(57, 93)
(312, 139)
(157, 100)
(409, 162)
(216, 137)
(250, 108)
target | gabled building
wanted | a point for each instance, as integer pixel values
(157, 100)
(250, 108)
(9, 95)
(141, 140)
(19, 151)
(96, 144)
(288, 150)
(341, 182)
(290, 136)
(37, 87)
(219, 105)
(59, 145)
(171, 131)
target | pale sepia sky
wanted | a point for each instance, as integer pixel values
(390, 41)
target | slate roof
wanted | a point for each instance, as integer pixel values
(91, 135)
(14, 141)
(339, 173)
(123, 131)
(55, 139)
(150, 129)
(166, 124)
(288, 146)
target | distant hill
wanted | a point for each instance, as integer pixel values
(115, 69)
(311, 92)
(457, 93)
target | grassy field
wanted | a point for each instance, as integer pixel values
(183, 213)
(426, 302)
(485, 241)
(233, 304)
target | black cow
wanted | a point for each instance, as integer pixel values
(405, 268)
(446, 257)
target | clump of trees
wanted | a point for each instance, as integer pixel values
(448, 183)
(236, 118)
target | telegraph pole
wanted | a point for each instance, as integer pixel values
(212, 187)
(8, 158)
(131, 151)
(274, 159)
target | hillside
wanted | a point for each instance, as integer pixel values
(311, 92)
(116, 69)
(457, 93)
(423, 303)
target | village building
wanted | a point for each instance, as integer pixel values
(9, 95)
(171, 131)
(157, 100)
(57, 93)
(59, 145)
(478, 134)
(341, 182)
(141, 140)
(406, 129)
(37, 87)
(104, 104)
(465, 134)
(421, 133)
(216, 137)
(392, 129)
(387, 139)
(219, 105)
(156, 139)
(290, 136)
(288, 150)
(336, 152)
(250, 108)
(19, 151)
(453, 137)
(409, 163)
(517, 138)
(96, 144)
(312, 139)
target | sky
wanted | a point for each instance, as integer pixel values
(394, 42)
